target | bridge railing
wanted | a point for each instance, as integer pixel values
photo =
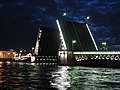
(97, 52)
(107, 55)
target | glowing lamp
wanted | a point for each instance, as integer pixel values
(73, 41)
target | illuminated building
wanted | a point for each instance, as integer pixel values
(7, 54)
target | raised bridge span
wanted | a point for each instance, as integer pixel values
(78, 44)
(72, 41)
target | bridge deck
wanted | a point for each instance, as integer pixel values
(97, 52)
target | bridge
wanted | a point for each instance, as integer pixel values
(79, 45)
(108, 55)
(72, 41)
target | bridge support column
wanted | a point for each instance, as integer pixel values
(65, 57)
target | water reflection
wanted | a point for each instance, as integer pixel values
(86, 78)
(26, 76)
(61, 78)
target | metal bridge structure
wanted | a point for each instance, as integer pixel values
(71, 42)
(47, 42)
(78, 43)
(37, 42)
(108, 55)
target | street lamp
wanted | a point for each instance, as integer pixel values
(32, 50)
(88, 17)
(20, 53)
(73, 42)
(64, 14)
(104, 45)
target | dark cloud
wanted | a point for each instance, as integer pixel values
(20, 19)
(59, 1)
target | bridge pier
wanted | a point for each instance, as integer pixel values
(65, 57)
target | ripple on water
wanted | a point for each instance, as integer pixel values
(26, 76)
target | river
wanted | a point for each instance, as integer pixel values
(34, 76)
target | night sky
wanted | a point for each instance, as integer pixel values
(20, 19)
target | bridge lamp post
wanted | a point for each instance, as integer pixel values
(87, 19)
(104, 45)
(20, 53)
(32, 50)
(64, 14)
(73, 42)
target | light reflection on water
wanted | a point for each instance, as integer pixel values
(86, 78)
(61, 78)
(26, 76)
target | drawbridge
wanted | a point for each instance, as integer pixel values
(72, 41)
(78, 44)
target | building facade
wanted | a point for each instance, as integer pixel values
(7, 54)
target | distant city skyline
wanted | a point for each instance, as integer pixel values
(21, 19)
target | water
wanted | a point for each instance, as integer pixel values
(26, 76)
